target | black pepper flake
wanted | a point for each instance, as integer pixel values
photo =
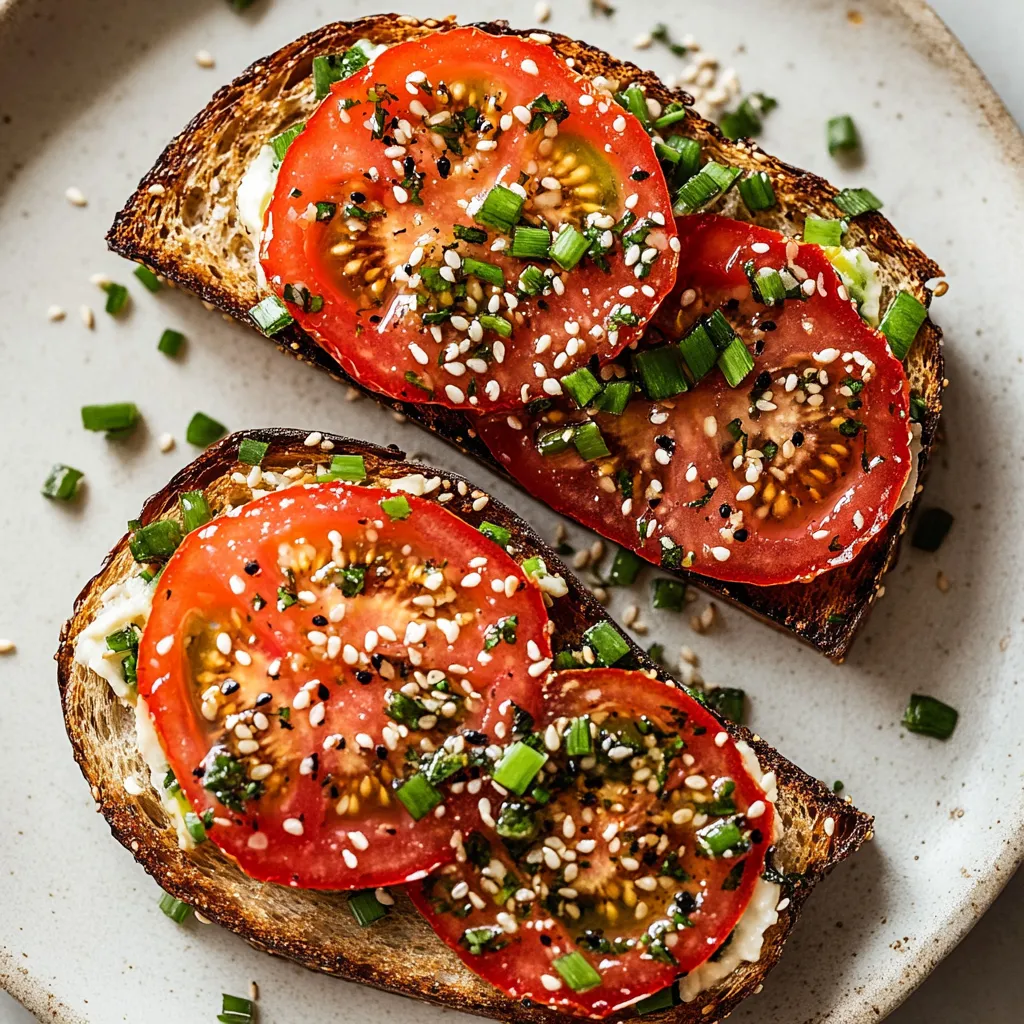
(358, 198)
(319, 620)
(757, 836)
(364, 677)
(252, 568)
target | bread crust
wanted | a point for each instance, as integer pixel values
(315, 929)
(178, 234)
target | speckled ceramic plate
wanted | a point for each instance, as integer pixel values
(91, 91)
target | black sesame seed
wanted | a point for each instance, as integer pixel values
(665, 442)
(724, 511)
(377, 660)
(545, 940)
(740, 535)
(263, 698)
(358, 198)
(444, 166)
(767, 325)
(364, 677)
(322, 692)
(252, 568)
(639, 174)
(756, 836)
(228, 686)
(763, 382)
(475, 738)
(798, 438)
(382, 752)
(319, 620)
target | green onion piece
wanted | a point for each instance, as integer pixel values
(932, 526)
(280, 143)
(492, 531)
(823, 232)
(735, 362)
(565, 659)
(532, 281)
(757, 191)
(195, 827)
(577, 972)
(767, 286)
(335, 67)
(126, 639)
(606, 641)
(325, 211)
(432, 279)
(661, 371)
(489, 272)
(156, 541)
(842, 134)
(582, 385)
(117, 298)
(568, 247)
(930, 717)
(901, 323)
(517, 767)
(669, 595)
(251, 451)
(501, 209)
(62, 483)
(728, 701)
(366, 908)
(688, 163)
(418, 796)
(351, 468)
(719, 330)
(116, 418)
(174, 909)
(699, 351)
(531, 243)
(203, 430)
(578, 740)
(236, 1010)
(271, 315)
(170, 342)
(710, 181)
(615, 397)
(855, 201)
(918, 408)
(554, 442)
(195, 510)
(475, 235)
(663, 1000)
(715, 839)
(671, 117)
(534, 567)
(589, 441)
(625, 568)
(397, 507)
(147, 278)
(498, 324)
(636, 104)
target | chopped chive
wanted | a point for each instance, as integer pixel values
(397, 507)
(475, 235)
(767, 286)
(351, 468)
(735, 362)
(174, 909)
(534, 567)
(625, 568)
(195, 827)
(932, 526)
(710, 181)
(498, 324)
(615, 397)
(577, 972)
(719, 330)
(582, 385)
(170, 342)
(842, 135)
(568, 247)
(203, 430)
(532, 281)
(901, 323)
(235, 1010)
(688, 161)
(669, 595)
(590, 442)
(335, 67)
(531, 243)
(728, 701)
(855, 201)
(918, 408)
(195, 510)
(636, 104)
(418, 796)
(930, 717)
(578, 741)
(432, 279)
(271, 315)
(115, 418)
(719, 837)
(698, 351)
(663, 1000)
(279, 143)
(325, 211)
(62, 482)
(518, 767)
(147, 278)
(492, 531)
(156, 541)
(670, 117)
(251, 451)
(823, 232)
(366, 908)
(501, 209)
(661, 371)
(757, 191)
(606, 641)
(489, 272)
(117, 298)
(837, 786)
(554, 442)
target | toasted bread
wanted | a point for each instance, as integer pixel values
(187, 229)
(400, 953)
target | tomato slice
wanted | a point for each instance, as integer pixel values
(304, 656)
(782, 478)
(638, 867)
(390, 231)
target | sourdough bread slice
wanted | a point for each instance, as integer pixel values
(182, 222)
(316, 929)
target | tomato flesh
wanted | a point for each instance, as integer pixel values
(361, 235)
(782, 478)
(612, 870)
(302, 655)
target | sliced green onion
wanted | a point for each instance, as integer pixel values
(918, 408)
(615, 397)
(325, 211)
(534, 567)
(174, 909)
(710, 181)
(687, 163)
(699, 351)
(719, 330)
(590, 442)
(671, 117)
(531, 243)
(735, 362)
(823, 232)
(489, 272)
(636, 104)
(397, 507)
(568, 247)
(757, 191)
(156, 541)
(532, 281)
(62, 483)
(669, 595)
(432, 279)
(195, 510)
(554, 442)
(719, 837)
(932, 526)
(366, 908)
(279, 143)
(115, 418)
(351, 468)
(147, 278)
(901, 323)
(335, 67)
(251, 451)
(606, 641)
(170, 342)
(501, 209)
(577, 972)
(663, 1000)
(842, 134)
(767, 286)
(661, 371)
(728, 701)
(498, 324)
(855, 201)
(625, 568)
(236, 1010)
(930, 717)
(195, 827)
(518, 767)
(271, 315)
(582, 385)
(418, 796)
(492, 531)
(578, 741)
(203, 430)
(117, 298)
(475, 235)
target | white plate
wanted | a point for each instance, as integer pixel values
(90, 92)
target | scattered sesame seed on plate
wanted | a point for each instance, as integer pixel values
(55, 313)
(7, 646)
(88, 316)
(75, 196)
(205, 59)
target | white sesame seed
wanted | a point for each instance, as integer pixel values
(756, 809)
(529, 67)
(696, 782)
(87, 315)
(454, 394)
(75, 196)
(350, 859)
(550, 982)
(204, 59)
(829, 826)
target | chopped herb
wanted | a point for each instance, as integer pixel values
(502, 630)
(170, 342)
(397, 507)
(156, 541)
(842, 135)
(728, 701)
(147, 278)
(116, 418)
(855, 201)
(229, 782)
(669, 595)
(271, 315)
(475, 235)
(279, 143)
(606, 642)
(62, 482)
(203, 430)
(251, 451)
(335, 67)
(366, 908)
(498, 534)
(117, 298)
(930, 717)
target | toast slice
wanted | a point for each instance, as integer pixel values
(316, 929)
(182, 222)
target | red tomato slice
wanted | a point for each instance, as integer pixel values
(404, 153)
(779, 479)
(638, 868)
(302, 655)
